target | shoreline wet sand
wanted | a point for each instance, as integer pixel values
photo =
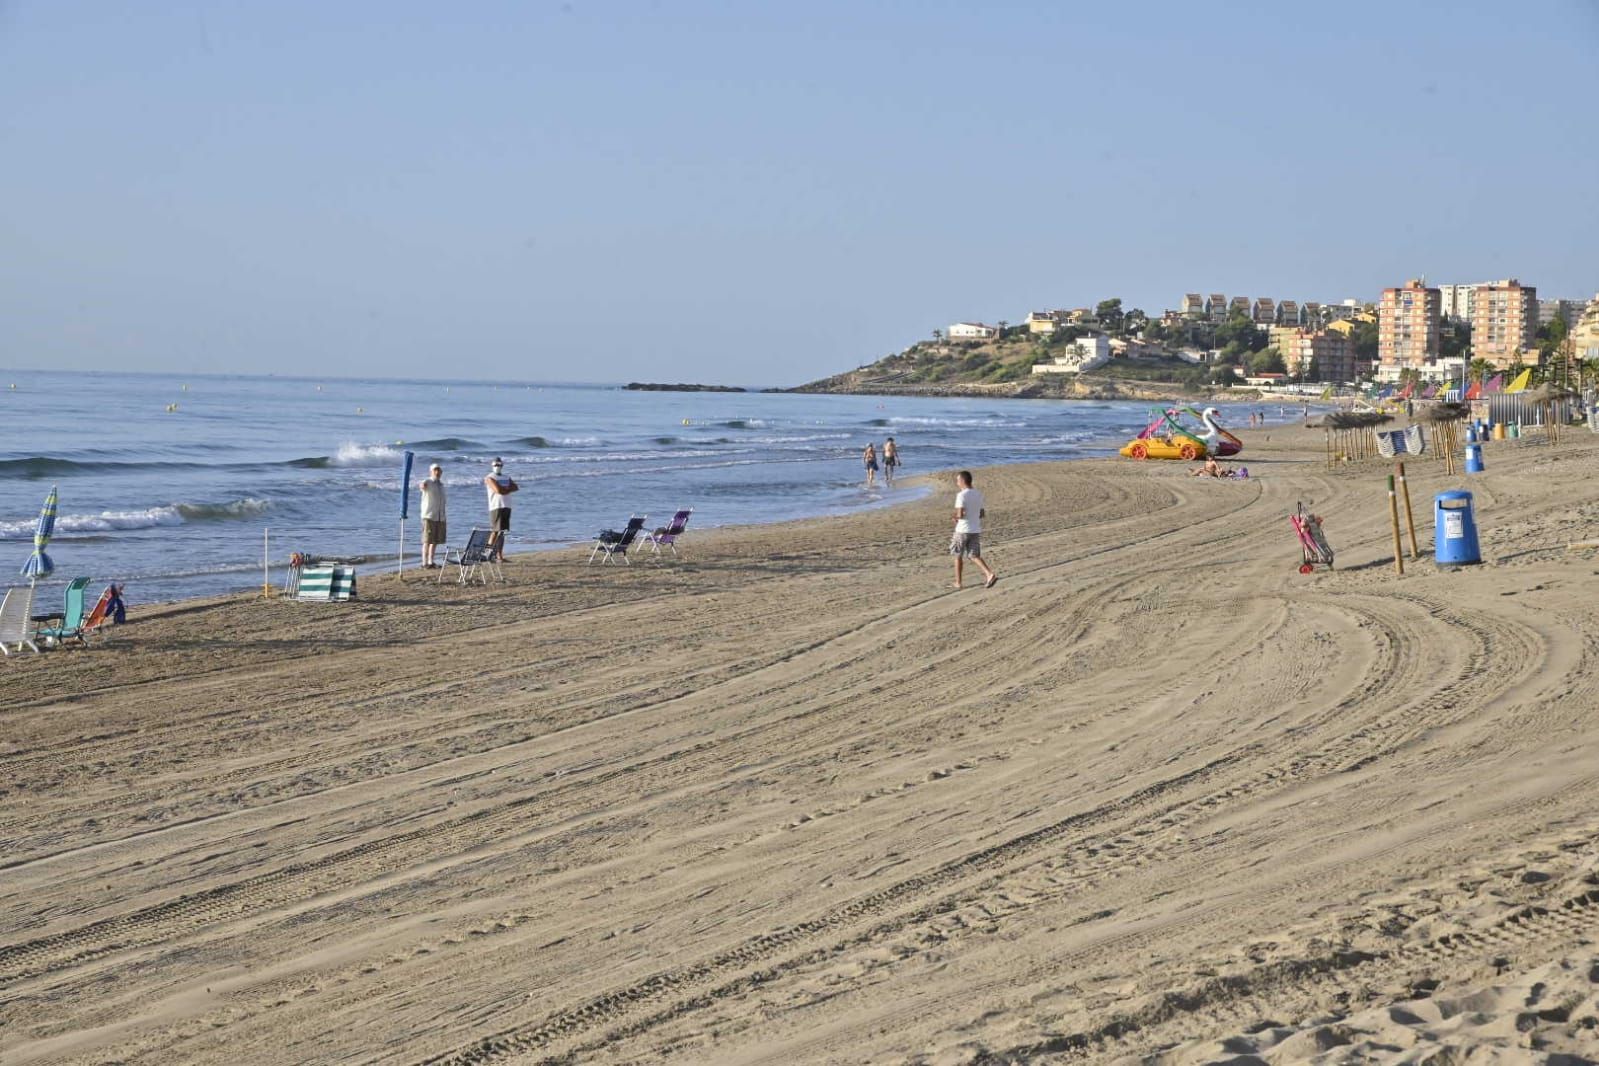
(790, 798)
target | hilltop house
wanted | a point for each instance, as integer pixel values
(1045, 321)
(1084, 353)
(972, 331)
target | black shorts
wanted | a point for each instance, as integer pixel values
(500, 520)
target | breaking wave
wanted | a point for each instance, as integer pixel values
(172, 514)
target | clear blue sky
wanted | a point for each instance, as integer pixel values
(754, 193)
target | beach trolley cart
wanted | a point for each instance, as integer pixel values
(1317, 552)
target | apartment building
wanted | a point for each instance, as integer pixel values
(1585, 334)
(1456, 301)
(1408, 321)
(1327, 354)
(1570, 310)
(1193, 304)
(1216, 306)
(1239, 304)
(1265, 311)
(1288, 313)
(1504, 321)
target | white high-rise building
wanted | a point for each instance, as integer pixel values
(1459, 300)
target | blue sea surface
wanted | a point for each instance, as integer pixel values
(174, 502)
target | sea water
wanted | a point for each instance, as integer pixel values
(167, 483)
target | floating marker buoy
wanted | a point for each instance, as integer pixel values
(171, 407)
(686, 422)
(360, 410)
(319, 388)
(185, 388)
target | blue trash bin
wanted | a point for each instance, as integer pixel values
(1454, 529)
(1474, 463)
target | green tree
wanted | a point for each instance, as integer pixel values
(1135, 320)
(1455, 340)
(1550, 338)
(1109, 313)
(1365, 340)
(1239, 334)
(1267, 361)
(1479, 369)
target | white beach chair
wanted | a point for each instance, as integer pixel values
(16, 620)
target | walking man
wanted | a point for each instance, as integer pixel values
(433, 531)
(968, 529)
(890, 461)
(500, 488)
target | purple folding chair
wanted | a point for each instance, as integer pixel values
(666, 536)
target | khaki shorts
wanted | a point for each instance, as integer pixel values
(966, 544)
(433, 531)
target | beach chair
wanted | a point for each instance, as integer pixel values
(16, 620)
(71, 627)
(98, 622)
(476, 559)
(610, 543)
(326, 584)
(667, 535)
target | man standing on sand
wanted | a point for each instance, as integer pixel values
(500, 488)
(968, 529)
(433, 531)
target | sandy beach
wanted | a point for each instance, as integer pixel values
(1157, 796)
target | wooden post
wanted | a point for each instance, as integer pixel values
(1393, 518)
(266, 565)
(1410, 517)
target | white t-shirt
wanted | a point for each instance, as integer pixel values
(433, 500)
(498, 501)
(972, 500)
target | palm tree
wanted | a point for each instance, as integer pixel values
(1479, 369)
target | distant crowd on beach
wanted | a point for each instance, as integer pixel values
(965, 541)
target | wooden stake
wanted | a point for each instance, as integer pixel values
(1410, 517)
(1393, 518)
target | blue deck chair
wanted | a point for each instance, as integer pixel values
(71, 627)
(475, 559)
(16, 620)
(667, 535)
(611, 543)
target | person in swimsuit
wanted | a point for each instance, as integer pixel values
(869, 457)
(890, 460)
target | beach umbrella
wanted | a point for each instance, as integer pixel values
(39, 564)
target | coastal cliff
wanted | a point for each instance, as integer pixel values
(1003, 369)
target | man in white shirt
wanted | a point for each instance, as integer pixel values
(433, 529)
(500, 488)
(967, 541)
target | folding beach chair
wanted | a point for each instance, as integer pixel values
(326, 584)
(476, 559)
(16, 620)
(667, 535)
(71, 627)
(611, 543)
(98, 623)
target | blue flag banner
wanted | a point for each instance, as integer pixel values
(405, 487)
